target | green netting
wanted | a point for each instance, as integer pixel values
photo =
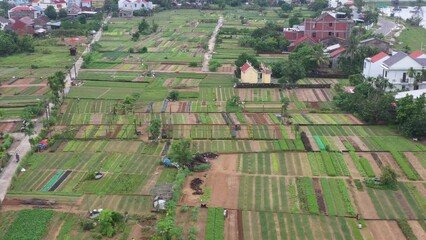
(319, 142)
(51, 182)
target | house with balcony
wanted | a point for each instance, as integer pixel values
(402, 70)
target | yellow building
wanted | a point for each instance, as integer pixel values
(251, 75)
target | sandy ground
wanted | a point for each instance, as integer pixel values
(385, 230)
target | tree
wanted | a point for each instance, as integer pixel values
(303, 54)
(319, 57)
(242, 59)
(318, 5)
(135, 36)
(154, 26)
(293, 71)
(173, 95)
(286, 7)
(389, 176)
(143, 27)
(294, 20)
(214, 65)
(82, 19)
(108, 220)
(50, 12)
(285, 101)
(62, 13)
(359, 4)
(154, 128)
(56, 83)
(180, 152)
(411, 116)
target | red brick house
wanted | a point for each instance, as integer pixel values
(23, 11)
(305, 39)
(327, 25)
(23, 26)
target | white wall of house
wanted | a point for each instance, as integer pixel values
(397, 74)
(373, 69)
(134, 5)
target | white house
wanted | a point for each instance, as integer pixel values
(135, 5)
(397, 69)
(57, 4)
(372, 65)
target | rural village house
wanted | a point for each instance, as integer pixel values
(251, 75)
(4, 22)
(327, 25)
(23, 11)
(397, 68)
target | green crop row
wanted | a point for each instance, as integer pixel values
(406, 167)
(306, 195)
(357, 163)
(346, 198)
(215, 225)
(367, 167)
(329, 167)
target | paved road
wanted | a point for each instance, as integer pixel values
(22, 146)
(386, 26)
(212, 42)
(79, 62)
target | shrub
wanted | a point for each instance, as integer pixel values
(202, 167)
(214, 64)
(131, 50)
(193, 64)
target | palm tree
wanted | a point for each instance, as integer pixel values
(320, 58)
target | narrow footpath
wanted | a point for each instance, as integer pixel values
(212, 43)
(21, 144)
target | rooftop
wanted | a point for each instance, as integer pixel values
(378, 57)
(395, 58)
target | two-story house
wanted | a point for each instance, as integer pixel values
(400, 69)
(251, 75)
(327, 25)
(23, 11)
(135, 5)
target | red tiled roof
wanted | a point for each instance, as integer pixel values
(378, 56)
(416, 54)
(303, 39)
(337, 52)
(86, 1)
(245, 67)
(22, 8)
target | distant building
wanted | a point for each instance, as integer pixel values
(135, 5)
(305, 39)
(372, 65)
(57, 4)
(327, 25)
(251, 75)
(23, 26)
(4, 22)
(376, 43)
(23, 11)
(400, 69)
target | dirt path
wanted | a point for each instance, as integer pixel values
(25, 85)
(417, 229)
(151, 182)
(385, 230)
(212, 42)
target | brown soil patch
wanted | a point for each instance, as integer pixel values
(225, 188)
(416, 164)
(404, 205)
(201, 223)
(320, 198)
(354, 119)
(231, 225)
(95, 118)
(351, 166)
(365, 205)
(8, 127)
(41, 91)
(23, 81)
(385, 230)
(417, 229)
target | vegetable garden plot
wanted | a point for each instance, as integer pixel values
(215, 225)
(89, 106)
(318, 81)
(311, 95)
(262, 107)
(280, 194)
(29, 224)
(114, 184)
(257, 119)
(131, 204)
(205, 106)
(216, 94)
(259, 94)
(399, 204)
(267, 225)
(329, 119)
(288, 163)
(328, 163)
(232, 146)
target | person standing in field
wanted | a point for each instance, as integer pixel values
(17, 157)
